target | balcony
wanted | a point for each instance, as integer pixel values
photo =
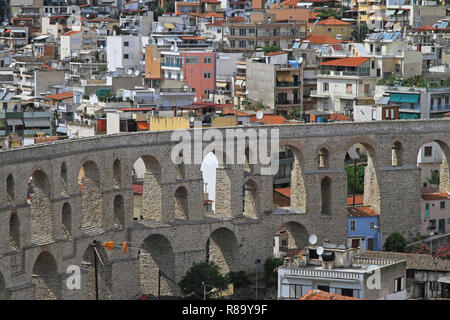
(442, 107)
(344, 73)
(324, 274)
(287, 102)
(288, 84)
(172, 65)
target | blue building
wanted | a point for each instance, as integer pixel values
(363, 231)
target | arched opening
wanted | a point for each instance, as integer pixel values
(66, 221)
(156, 255)
(323, 158)
(222, 248)
(325, 194)
(103, 273)
(117, 174)
(209, 168)
(10, 187)
(181, 204)
(397, 154)
(119, 212)
(91, 196)
(224, 203)
(14, 231)
(63, 178)
(288, 183)
(289, 240)
(432, 160)
(3, 294)
(46, 278)
(250, 194)
(147, 177)
(41, 207)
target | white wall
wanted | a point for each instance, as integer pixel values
(112, 123)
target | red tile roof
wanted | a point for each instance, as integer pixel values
(212, 14)
(319, 39)
(313, 15)
(339, 117)
(275, 53)
(284, 191)
(210, 1)
(193, 38)
(60, 96)
(362, 211)
(270, 119)
(44, 66)
(345, 62)
(333, 22)
(71, 32)
(236, 19)
(436, 196)
(323, 295)
(138, 189)
(215, 23)
(359, 199)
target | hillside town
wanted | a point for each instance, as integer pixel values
(360, 201)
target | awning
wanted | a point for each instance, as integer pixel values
(37, 122)
(17, 122)
(284, 77)
(399, 11)
(383, 100)
(403, 97)
(444, 280)
(221, 84)
(389, 24)
(169, 26)
(142, 125)
(408, 116)
(239, 82)
(61, 130)
(390, 12)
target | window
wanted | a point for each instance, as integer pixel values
(399, 284)
(295, 291)
(232, 44)
(284, 243)
(349, 88)
(192, 60)
(442, 204)
(242, 32)
(428, 151)
(347, 292)
(251, 31)
(207, 75)
(324, 288)
(325, 86)
(372, 225)
(374, 114)
(352, 225)
(126, 56)
(251, 43)
(329, 29)
(126, 44)
(427, 210)
(378, 72)
(232, 31)
(242, 44)
(432, 225)
(342, 29)
(207, 60)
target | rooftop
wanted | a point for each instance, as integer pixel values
(333, 22)
(436, 196)
(323, 295)
(345, 62)
(60, 96)
(319, 39)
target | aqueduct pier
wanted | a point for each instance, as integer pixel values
(43, 234)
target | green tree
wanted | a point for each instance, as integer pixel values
(395, 242)
(270, 274)
(360, 33)
(117, 30)
(260, 104)
(326, 13)
(268, 49)
(246, 104)
(203, 272)
(238, 278)
(434, 177)
(359, 179)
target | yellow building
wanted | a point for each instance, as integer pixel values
(372, 12)
(168, 123)
(334, 28)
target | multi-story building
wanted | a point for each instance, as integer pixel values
(74, 41)
(14, 37)
(372, 13)
(339, 270)
(239, 83)
(136, 23)
(333, 28)
(343, 83)
(276, 81)
(54, 25)
(261, 30)
(435, 213)
(124, 52)
(363, 228)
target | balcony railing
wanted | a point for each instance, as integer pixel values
(441, 107)
(289, 84)
(327, 274)
(343, 73)
(287, 102)
(174, 65)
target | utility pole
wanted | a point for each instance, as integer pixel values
(257, 262)
(94, 251)
(159, 284)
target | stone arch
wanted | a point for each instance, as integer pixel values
(157, 254)
(291, 235)
(103, 272)
(10, 188)
(152, 189)
(66, 219)
(323, 158)
(297, 181)
(444, 173)
(369, 145)
(325, 196)
(397, 154)
(209, 172)
(45, 278)
(14, 231)
(181, 203)
(3, 293)
(250, 199)
(91, 195)
(117, 173)
(222, 248)
(41, 207)
(224, 174)
(119, 212)
(63, 178)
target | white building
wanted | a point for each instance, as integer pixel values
(123, 52)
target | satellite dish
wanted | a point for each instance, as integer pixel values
(136, 73)
(300, 60)
(129, 71)
(191, 119)
(259, 115)
(246, 92)
(312, 239)
(195, 99)
(319, 251)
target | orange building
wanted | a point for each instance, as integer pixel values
(332, 27)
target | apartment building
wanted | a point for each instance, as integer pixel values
(136, 23)
(343, 83)
(373, 13)
(261, 30)
(333, 28)
(435, 213)
(276, 81)
(124, 52)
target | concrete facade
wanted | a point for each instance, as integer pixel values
(42, 235)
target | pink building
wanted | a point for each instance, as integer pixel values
(199, 71)
(435, 213)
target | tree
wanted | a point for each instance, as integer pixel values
(420, 248)
(326, 13)
(395, 242)
(359, 179)
(434, 177)
(203, 272)
(238, 278)
(270, 275)
(443, 252)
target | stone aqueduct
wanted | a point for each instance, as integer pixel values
(42, 236)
